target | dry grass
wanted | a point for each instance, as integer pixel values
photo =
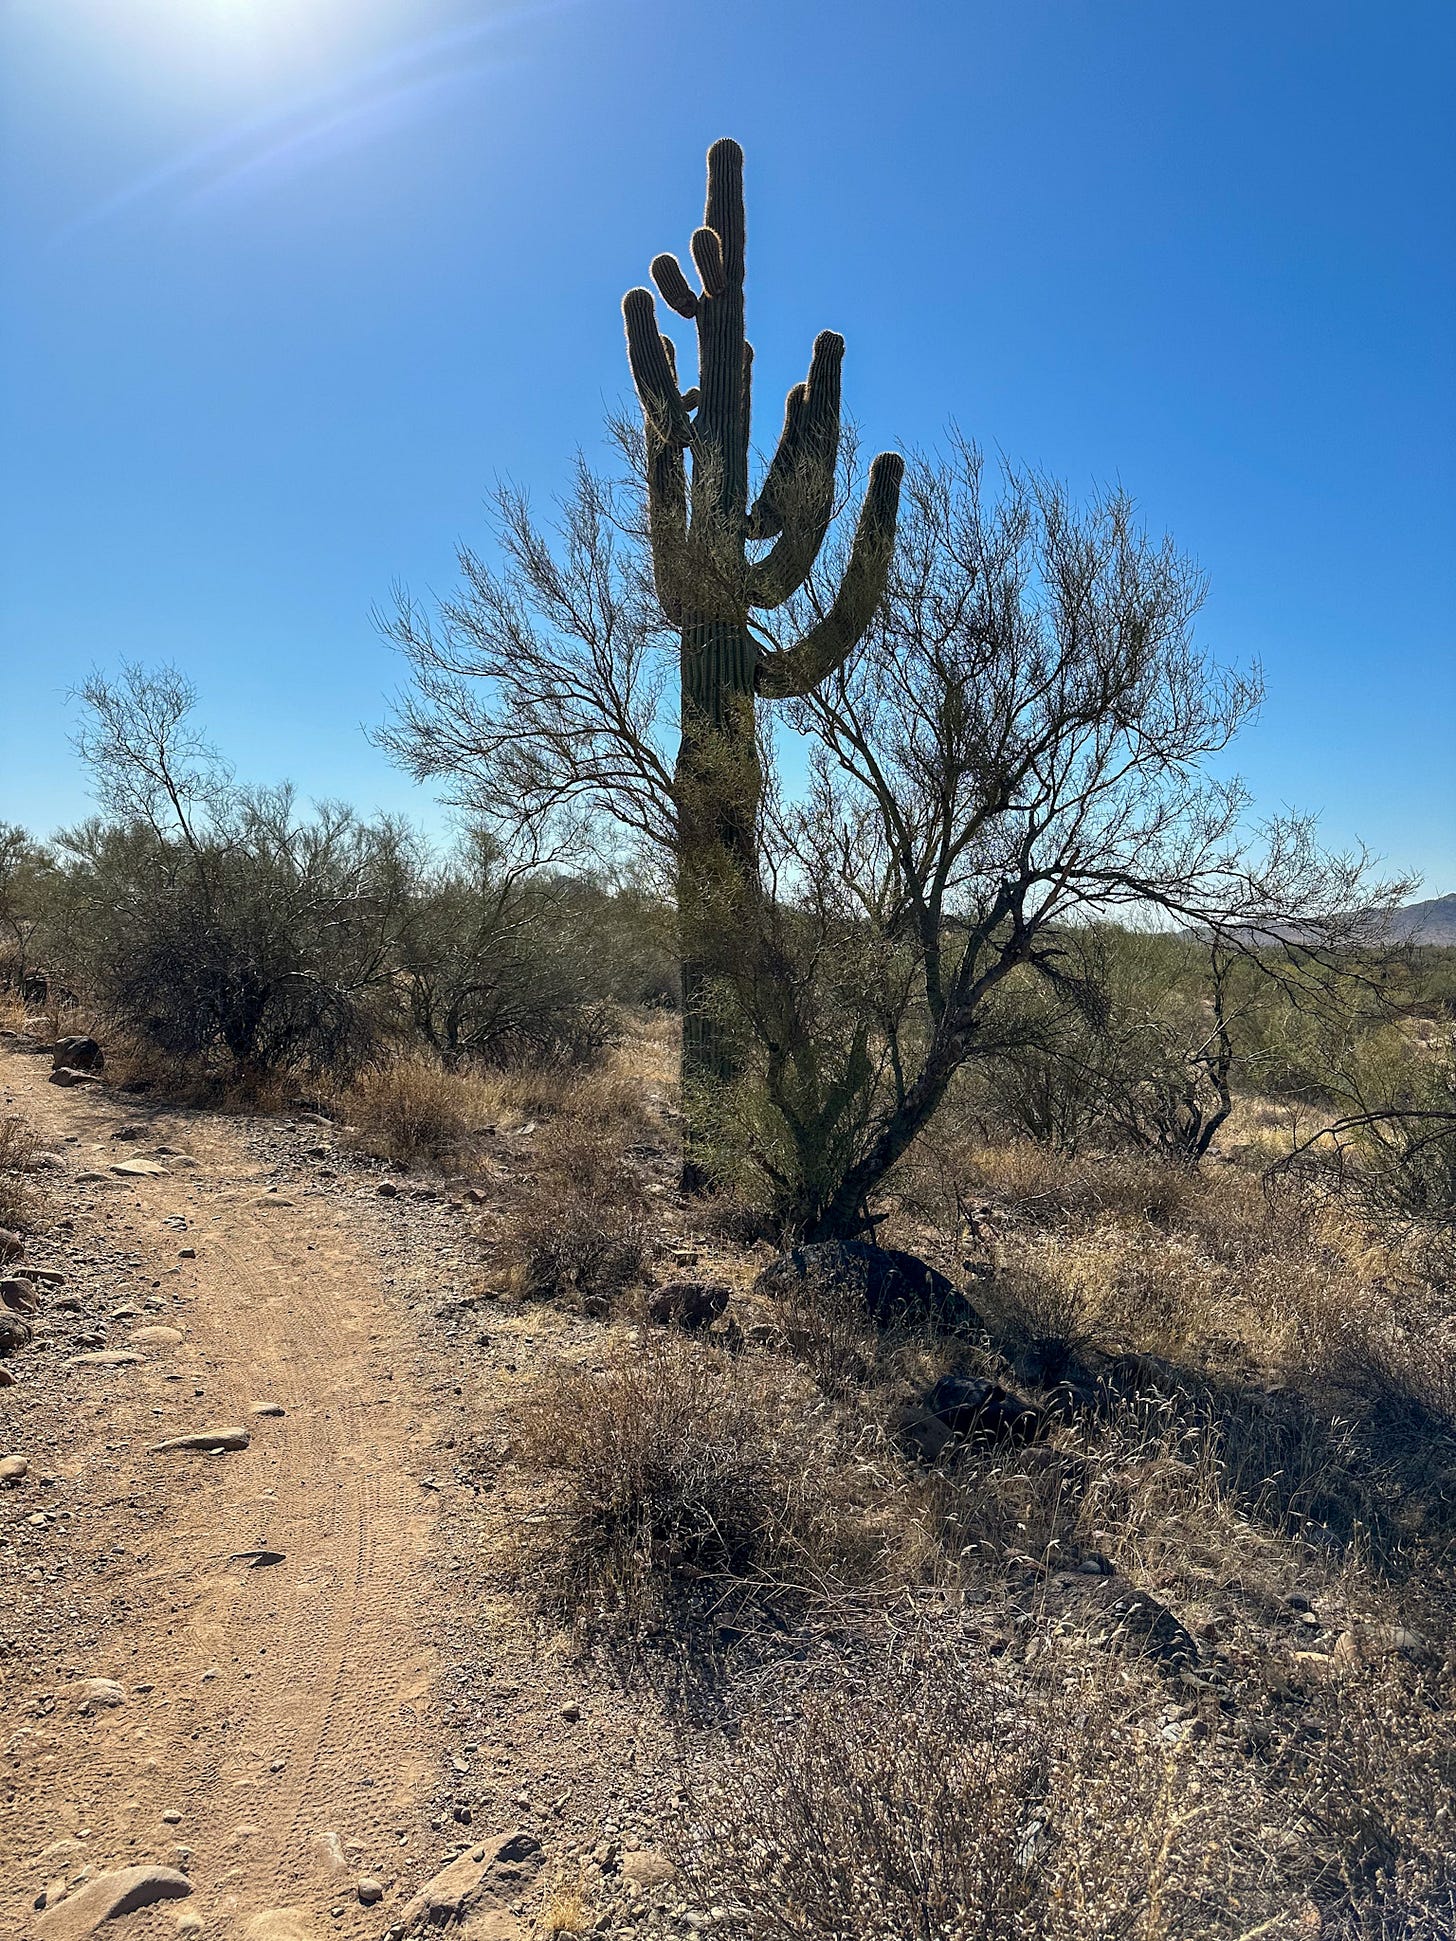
(412, 1111)
(916, 1784)
(19, 1200)
(580, 1229)
(689, 1485)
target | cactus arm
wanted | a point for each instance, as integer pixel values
(677, 293)
(799, 490)
(667, 432)
(799, 669)
(764, 521)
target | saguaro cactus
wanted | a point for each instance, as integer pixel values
(712, 572)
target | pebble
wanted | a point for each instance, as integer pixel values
(13, 1469)
(369, 1891)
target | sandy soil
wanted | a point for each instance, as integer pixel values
(317, 1669)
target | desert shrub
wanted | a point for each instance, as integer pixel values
(579, 1229)
(414, 1110)
(686, 1481)
(925, 1791)
(18, 1147)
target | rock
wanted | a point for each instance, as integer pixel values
(386, 1189)
(266, 1408)
(893, 1286)
(204, 1439)
(962, 1408)
(187, 1253)
(108, 1897)
(571, 1713)
(468, 1888)
(63, 1075)
(1144, 1625)
(369, 1891)
(158, 1337)
(130, 1132)
(11, 1245)
(13, 1470)
(140, 1169)
(688, 1303)
(78, 1054)
(45, 1276)
(17, 1292)
(1367, 1644)
(330, 1850)
(648, 1869)
(104, 1358)
(7, 1380)
(15, 1333)
(104, 1691)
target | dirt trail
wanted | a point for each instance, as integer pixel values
(268, 1704)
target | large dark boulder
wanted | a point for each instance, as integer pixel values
(689, 1304)
(894, 1287)
(965, 1409)
(78, 1055)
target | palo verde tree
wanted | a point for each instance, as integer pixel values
(711, 574)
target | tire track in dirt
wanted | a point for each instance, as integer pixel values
(269, 1704)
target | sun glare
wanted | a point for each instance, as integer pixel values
(215, 43)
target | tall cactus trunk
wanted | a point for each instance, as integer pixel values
(708, 585)
(718, 784)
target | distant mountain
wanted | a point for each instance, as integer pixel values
(1431, 922)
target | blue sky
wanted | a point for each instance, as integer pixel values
(288, 283)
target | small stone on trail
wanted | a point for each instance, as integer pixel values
(104, 1358)
(140, 1169)
(204, 1439)
(387, 1189)
(330, 1850)
(571, 1713)
(12, 1470)
(160, 1337)
(265, 1408)
(172, 1817)
(17, 1292)
(187, 1253)
(647, 1869)
(369, 1891)
(104, 1691)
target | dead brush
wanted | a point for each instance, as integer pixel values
(1371, 1783)
(18, 1148)
(413, 1110)
(922, 1789)
(688, 1485)
(579, 1231)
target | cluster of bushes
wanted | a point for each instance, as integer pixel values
(235, 932)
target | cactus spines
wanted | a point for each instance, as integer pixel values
(700, 523)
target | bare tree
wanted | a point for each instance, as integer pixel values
(1022, 744)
